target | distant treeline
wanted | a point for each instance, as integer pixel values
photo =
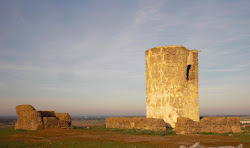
(8, 119)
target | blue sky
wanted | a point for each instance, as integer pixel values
(88, 57)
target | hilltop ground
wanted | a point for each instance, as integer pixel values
(92, 133)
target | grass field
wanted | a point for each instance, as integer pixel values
(74, 144)
(242, 137)
(111, 138)
(11, 131)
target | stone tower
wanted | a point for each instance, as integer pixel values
(172, 83)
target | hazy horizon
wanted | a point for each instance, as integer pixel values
(88, 57)
(130, 115)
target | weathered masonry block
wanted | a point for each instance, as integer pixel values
(136, 123)
(172, 83)
(208, 125)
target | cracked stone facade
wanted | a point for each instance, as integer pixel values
(172, 83)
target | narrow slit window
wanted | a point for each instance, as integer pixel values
(188, 69)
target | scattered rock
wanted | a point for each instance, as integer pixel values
(197, 145)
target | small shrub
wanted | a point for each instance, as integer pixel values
(71, 127)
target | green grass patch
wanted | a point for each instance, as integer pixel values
(244, 136)
(167, 132)
(221, 134)
(246, 132)
(70, 144)
(12, 144)
(11, 131)
(88, 144)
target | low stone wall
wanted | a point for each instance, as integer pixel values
(208, 125)
(142, 123)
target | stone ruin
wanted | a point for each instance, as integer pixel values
(30, 119)
(172, 96)
(172, 83)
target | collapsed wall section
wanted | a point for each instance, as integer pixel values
(30, 119)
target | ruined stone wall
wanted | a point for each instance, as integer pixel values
(171, 84)
(136, 123)
(30, 119)
(208, 125)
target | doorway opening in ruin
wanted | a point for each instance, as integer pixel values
(188, 69)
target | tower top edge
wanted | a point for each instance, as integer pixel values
(169, 46)
(194, 50)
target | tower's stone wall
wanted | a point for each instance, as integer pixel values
(172, 83)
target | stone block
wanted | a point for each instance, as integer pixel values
(50, 122)
(28, 118)
(64, 117)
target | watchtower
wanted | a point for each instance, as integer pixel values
(172, 83)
